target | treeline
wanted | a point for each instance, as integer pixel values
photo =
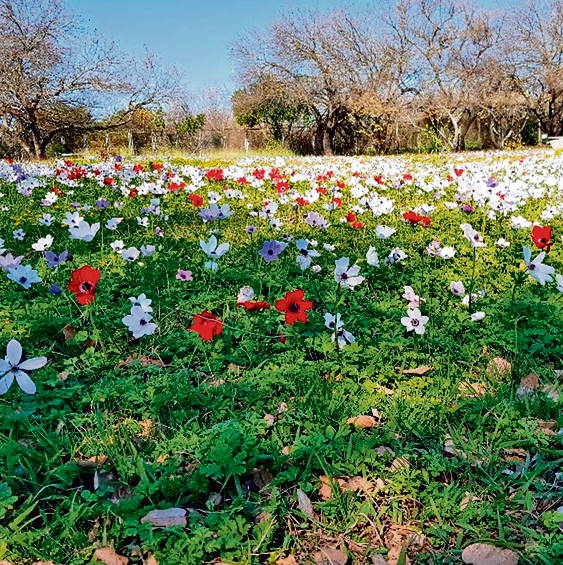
(436, 74)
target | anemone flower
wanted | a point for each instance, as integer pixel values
(414, 320)
(12, 367)
(347, 277)
(139, 322)
(24, 275)
(539, 271)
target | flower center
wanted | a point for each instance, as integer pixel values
(85, 287)
(23, 280)
(142, 322)
(415, 322)
(344, 276)
(294, 308)
(531, 266)
(270, 252)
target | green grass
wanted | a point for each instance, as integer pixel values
(230, 429)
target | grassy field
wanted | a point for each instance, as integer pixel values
(262, 432)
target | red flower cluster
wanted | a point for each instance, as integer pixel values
(414, 218)
(259, 174)
(282, 186)
(353, 221)
(83, 284)
(206, 325)
(301, 201)
(157, 166)
(294, 307)
(196, 199)
(214, 174)
(542, 237)
(138, 168)
(254, 305)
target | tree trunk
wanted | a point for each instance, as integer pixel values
(328, 149)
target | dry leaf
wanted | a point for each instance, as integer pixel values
(449, 447)
(326, 489)
(384, 389)
(69, 332)
(305, 505)
(286, 450)
(528, 384)
(359, 483)
(378, 559)
(261, 477)
(485, 554)
(467, 499)
(552, 391)
(148, 428)
(108, 556)
(399, 537)
(516, 451)
(328, 556)
(89, 462)
(143, 359)
(63, 376)
(399, 464)
(382, 450)
(418, 371)
(43, 563)
(289, 560)
(470, 390)
(270, 419)
(547, 427)
(166, 518)
(499, 367)
(362, 421)
(151, 560)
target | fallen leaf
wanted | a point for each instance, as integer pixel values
(359, 483)
(144, 360)
(384, 389)
(63, 376)
(69, 332)
(378, 559)
(418, 371)
(486, 554)
(89, 462)
(214, 499)
(398, 539)
(151, 560)
(468, 498)
(399, 463)
(270, 419)
(498, 367)
(449, 447)
(286, 450)
(528, 384)
(108, 556)
(261, 477)
(552, 391)
(547, 427)
(328, 556)
(166, 518)
(362, 422)
(470, 390)
(289, 560)
(326, 490)
(382, 450)
(516, 451)
(43, 563)
(304, 504)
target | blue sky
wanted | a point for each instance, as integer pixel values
(192, 34)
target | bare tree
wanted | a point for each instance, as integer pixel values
(54, 76)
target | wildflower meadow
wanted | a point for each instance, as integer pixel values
(282, 360)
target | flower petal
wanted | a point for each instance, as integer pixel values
(26, 384)
(6, 382)
(14, 352)
(32, 364)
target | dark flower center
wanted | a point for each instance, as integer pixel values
(476, 237)
(415, 322)
(86, 287)
(23, 280)
(294, 308)
(270, 252)
(531, 266)
(344, 276)
(331, 325)
(304, 252)
(142, 322)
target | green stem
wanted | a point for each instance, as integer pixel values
(472, 284)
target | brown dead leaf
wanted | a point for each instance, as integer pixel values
(470, 390)
(289, 560)
(449, 447)
(286, 450)
(378, 559)
(547, 427)
(485, 554)
(467, 499)
(261, 477)
(326, 489)
(399, 537)
(166, 518)
(528, 384)
(108, 556)
(382, 450)
(270, 419)
(399, 464)
(362, 422)
(89, 462)
(358, 483)
(69, 332)
(552, 391)
(144, 360)
(516, 452)
(151, 560)
(498, 367)
(43, 563)
(304, 504)
(418, 371)
(329, 556)
(63, 376)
